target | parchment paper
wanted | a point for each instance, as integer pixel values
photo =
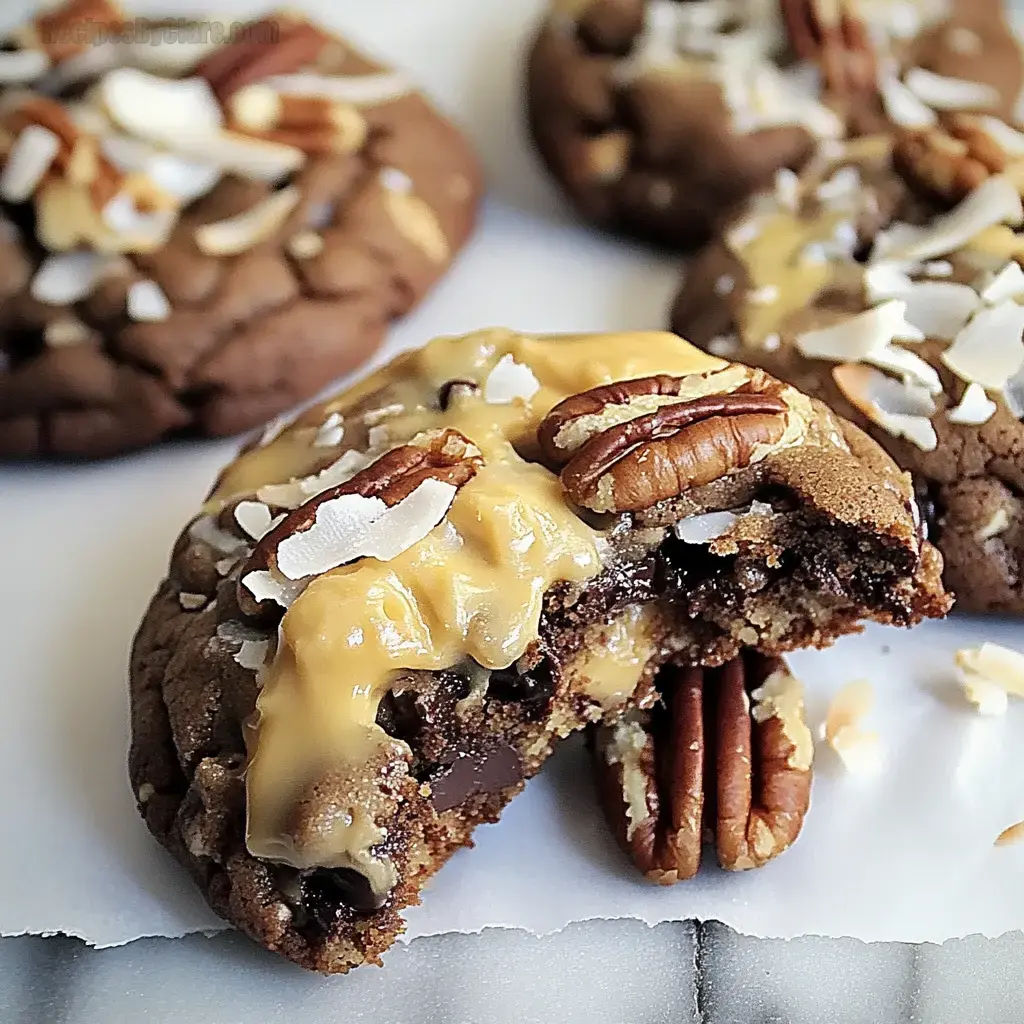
(906, 854)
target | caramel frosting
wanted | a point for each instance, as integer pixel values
(951, 279)
(794, 243)
(468, 592)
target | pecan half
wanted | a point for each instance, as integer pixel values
(276, 45)
(727, 754)
(629, 445)
(313, 124)
(951, 159)
(833, 35)
(445, 456)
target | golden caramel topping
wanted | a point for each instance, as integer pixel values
(467, 589)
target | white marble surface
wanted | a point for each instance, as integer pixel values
(598, 972)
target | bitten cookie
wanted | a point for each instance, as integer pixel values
(387, 614)
(658, 118)
(195, 237)
(861, 286)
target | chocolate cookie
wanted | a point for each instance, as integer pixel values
(913, 331)
(195, 237)
(385, 616)
(659, 117)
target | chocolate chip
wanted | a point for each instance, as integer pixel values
(471, 774)
(681, 566)
(929, 503)
(327, 892)
(509, 685)
(452, 389)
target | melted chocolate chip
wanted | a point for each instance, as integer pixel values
(511, 686)
(929, 503)
(471, 774)
(682, 566)
(328, 892)
(451, 389)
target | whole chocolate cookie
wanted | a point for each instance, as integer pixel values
(196, 236)
(659, 117)
(859, 285)
(386, 615)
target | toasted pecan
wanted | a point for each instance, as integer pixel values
(703, 762)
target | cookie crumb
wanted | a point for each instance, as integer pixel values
(147, 791)
(191, 602)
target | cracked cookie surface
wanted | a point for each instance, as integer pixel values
(197, 237)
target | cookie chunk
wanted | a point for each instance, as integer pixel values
(194, 237)
(658, 118)
(724, 753)
(386, 615)
(912, 328)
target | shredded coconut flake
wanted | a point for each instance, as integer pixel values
(254, 517)
(28, 160)
(902, 107)
(992, 663)
(252, 654)
(995, 201)
(706, 527)
(360, 90)
(161, 109)
(352, 526)
(974, 408)
(331, 431)
(941, 92)
(989, 350)
(939, 309)
(904, 410)
(240, 233)
(1010, 140)
(787, 188)
(395, 180)
(19, 67)
(68, 277)
(858, 750)
(265, 586)
(508, 381)
(146, 301)
(1007, 284)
